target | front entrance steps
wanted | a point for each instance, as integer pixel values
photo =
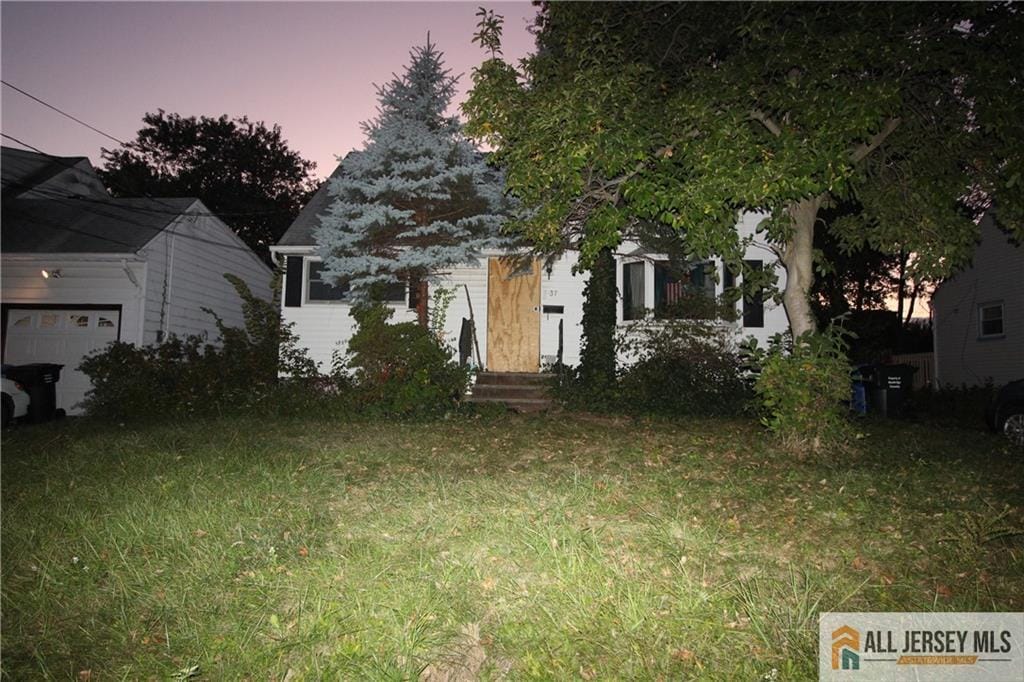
(518, 391)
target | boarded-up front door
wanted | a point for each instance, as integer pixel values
(513, 317)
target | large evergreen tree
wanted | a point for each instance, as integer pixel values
(418, 198)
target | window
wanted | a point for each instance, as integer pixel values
(48, 320)
(395, 292)
(682, 291)
(990, 319)
(105, 322)
(79, 320)
(753, 303)
(414, 294)
(23, 321)
(318, 289)
(633, 291)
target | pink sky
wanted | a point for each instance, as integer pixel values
(308, 67)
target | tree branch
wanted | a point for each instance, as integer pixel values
(875, 141)
(766, 121)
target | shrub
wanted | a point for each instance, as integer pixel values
(683, 368)
(802, 389)
(189, 377)
(962, 407)
(401, 369)
(679, 368)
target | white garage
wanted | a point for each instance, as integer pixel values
(81, 269)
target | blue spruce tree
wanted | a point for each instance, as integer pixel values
(418, 198)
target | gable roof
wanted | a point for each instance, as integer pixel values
(85, 225)
(300, 233)
(22, 170)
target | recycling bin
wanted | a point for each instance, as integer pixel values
(40, 382)
(860, 380)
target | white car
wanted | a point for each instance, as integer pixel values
(15, 401)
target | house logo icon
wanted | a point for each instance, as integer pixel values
(845, 645)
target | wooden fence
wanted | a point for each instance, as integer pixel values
(924, 377)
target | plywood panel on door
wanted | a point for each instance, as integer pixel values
(513, 317)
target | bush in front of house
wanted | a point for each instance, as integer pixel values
(803, 389)
(401, 369)
(683, 368)
(677, 368)
(255, 367)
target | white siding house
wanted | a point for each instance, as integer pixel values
(548, 305)
(978, 315)
(81, 269)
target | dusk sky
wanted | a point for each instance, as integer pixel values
(309, 67)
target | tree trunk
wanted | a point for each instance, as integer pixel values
(901, 291)
(799, 261)
(421, 304)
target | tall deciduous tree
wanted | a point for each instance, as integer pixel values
(688, 113)
(242, 171)
(419, 197)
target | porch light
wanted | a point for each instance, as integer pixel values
(55, 274)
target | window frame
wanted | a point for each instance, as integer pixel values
(650, 262)
(307, 264)
(989, 305)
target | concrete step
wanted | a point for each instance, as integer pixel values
(511, 391)
(514, 404)
(518, 391)
(513, 378)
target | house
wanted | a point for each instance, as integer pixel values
(978, 315)
(82, 269)
(522, 319)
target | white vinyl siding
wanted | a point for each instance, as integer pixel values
(995, 277)
(198, 250)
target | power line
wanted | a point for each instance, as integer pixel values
(62, 162)
(172, 210)
(18, 209)
(62, 112)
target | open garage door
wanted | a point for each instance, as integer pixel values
(63, 336)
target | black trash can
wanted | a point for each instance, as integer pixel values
(40, 382)
(890, 387)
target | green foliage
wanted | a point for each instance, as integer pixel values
(188, 377)
(634, 114)
(802, 390)
(242, 171)
(596, 373)
(401, 369)
(678, 368)
(682, 368)
(441, 300)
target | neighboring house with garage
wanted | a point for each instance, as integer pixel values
(81, 269)
(978, 315)
(523, 320)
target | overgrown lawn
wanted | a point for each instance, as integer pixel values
(551, 547)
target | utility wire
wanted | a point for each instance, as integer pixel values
(171, 209)
(55, 194)
(62, 112)
(71, 202)
(62, 162)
